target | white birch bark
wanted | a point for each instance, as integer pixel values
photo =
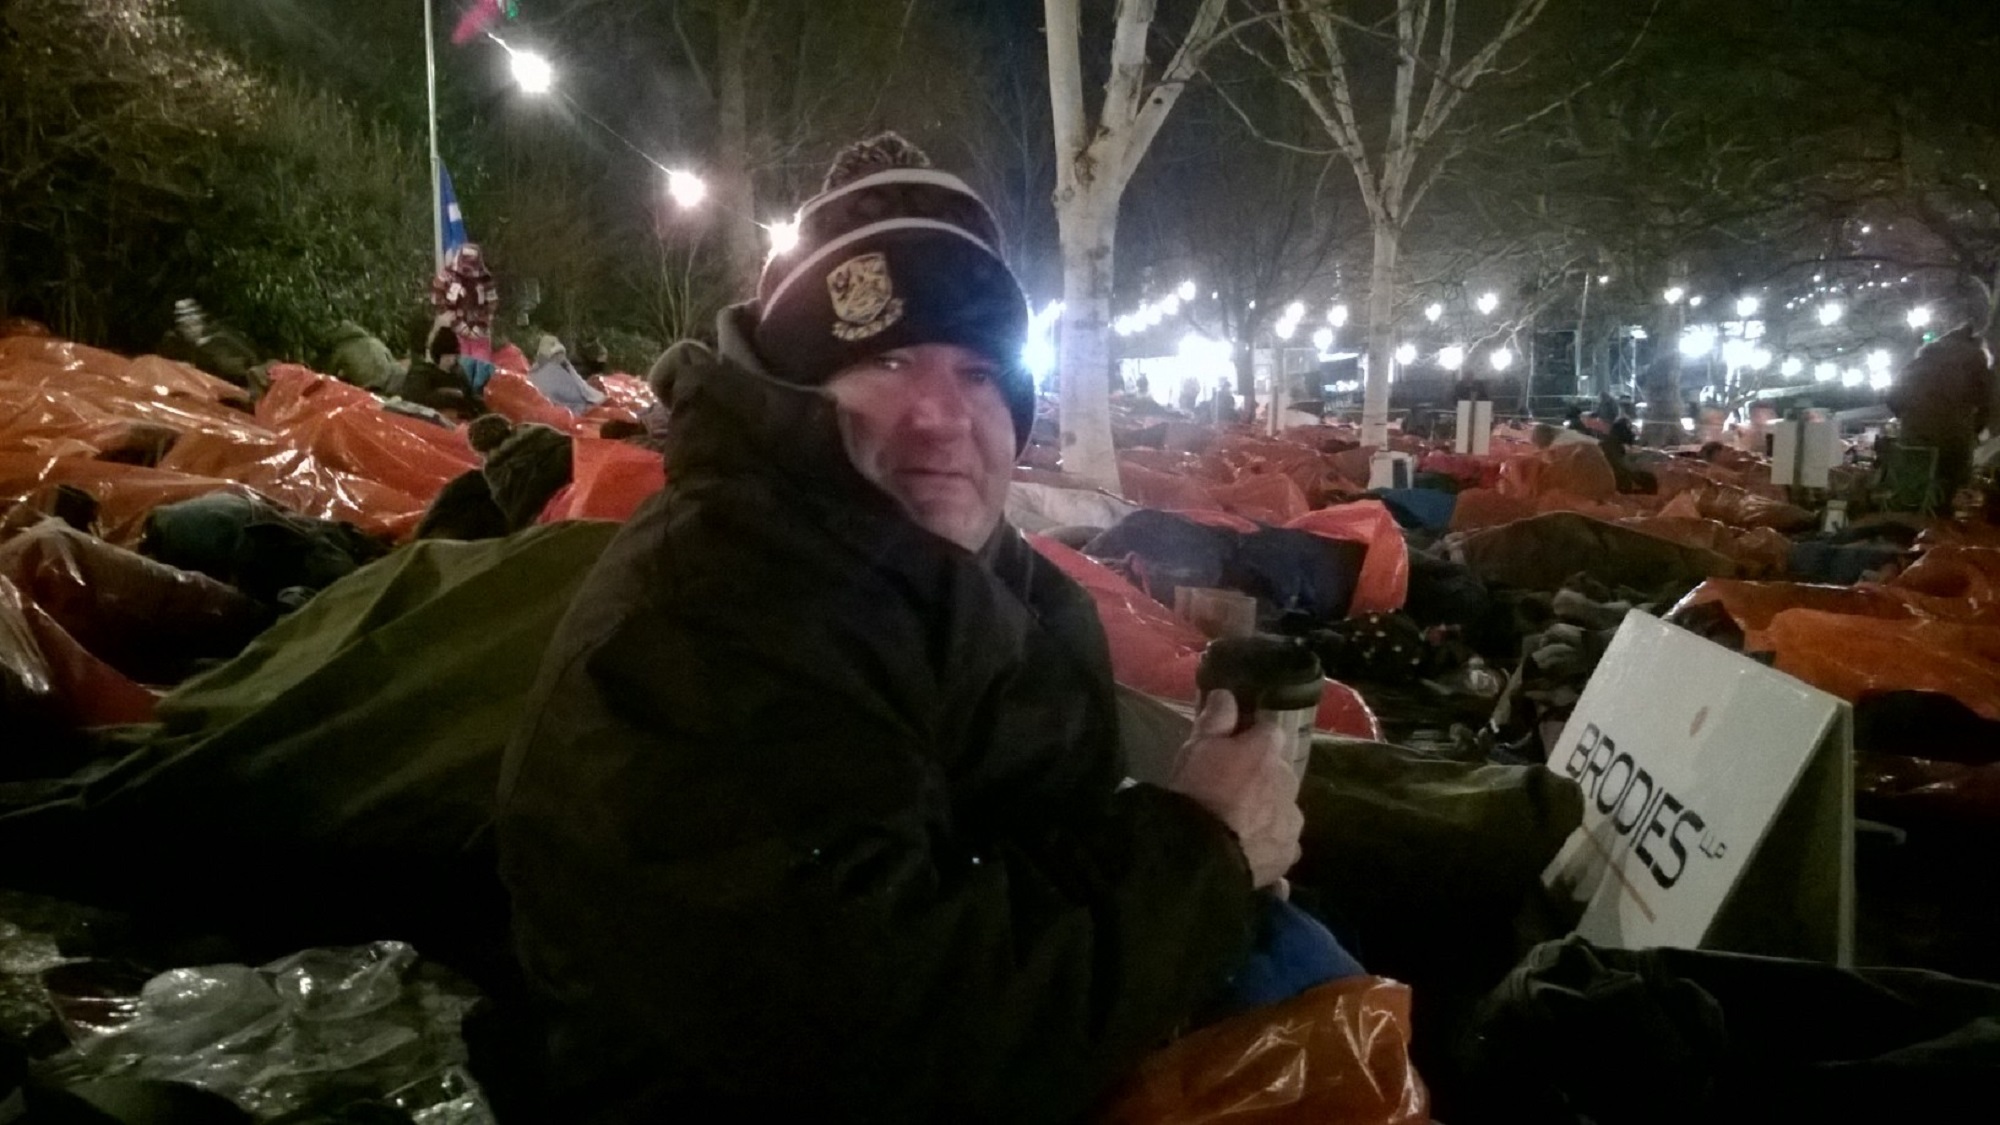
(1094, 163)
(1317, 69)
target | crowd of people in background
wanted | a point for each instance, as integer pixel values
(454, 349)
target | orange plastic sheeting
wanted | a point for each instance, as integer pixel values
(1469, 471)
(37, 653)
(1264, 497)
(512, 396)
(626, 393)
(1169, 492)
(1180, 463)
(125, 493)
(1574, 469)
(1972, 573)
(144, 618)
(282, 471)
(1850, 656)
(97, 416)
(1384, 582)
(1485, 507)
(509, 357)
(1758, 553)
(1336, 1053)
(1975, 533)
(1737, 507)
(1154, 652)
(608, 481)
(1752, 605)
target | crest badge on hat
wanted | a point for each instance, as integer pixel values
(864, 297)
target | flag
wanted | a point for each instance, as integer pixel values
(451, 219)
(482, 15)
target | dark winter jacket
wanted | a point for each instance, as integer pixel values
(815, 816)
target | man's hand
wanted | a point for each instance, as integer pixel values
(1245, 781)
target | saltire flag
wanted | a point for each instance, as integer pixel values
(482, 15)
(452, 220)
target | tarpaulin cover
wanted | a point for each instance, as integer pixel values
(1849, 656)
(1758, 552)
(1469, 471)
(1739, 507)
(1336, 1053)
(45, 664)
(1579, 471)
(1972, 573)
(1542, 552)
(150, 621)
(1153, 652)
(1487, 507)
(1423, 864)
(354, 750)
(1264, 497)
(609, 480)
(1385, 574)
(1287, 570)
(317, 445)
(1170, 492)
(124, 493)
(514, 397)
(1586, 1035)
(1752, 605)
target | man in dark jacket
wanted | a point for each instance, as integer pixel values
(817, 810)
(1941, 400)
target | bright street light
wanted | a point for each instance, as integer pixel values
(1878, 362)
(1487, 303)
(1283, 329)
(1674, 295)
(1920, 316)
(1433, 311)
(1737, 353)
(532, 72)
(1698, 340)
(1503, 358)
(1760, 358)
(1746, 307)
(686, 188)
(1323, 339)
(1792, 368)
(1830, 314)
(1694, 302)
(1824, 372)
(1451, 357)
(1295, 311)
(1406, 355)
(784, 236)
(1186, 291)
(1337, 316)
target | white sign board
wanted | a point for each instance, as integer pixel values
(1804, 453)
(1475, 427)
(1718, 802)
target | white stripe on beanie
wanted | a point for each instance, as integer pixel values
(835, 246)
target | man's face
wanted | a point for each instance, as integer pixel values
(928, 425)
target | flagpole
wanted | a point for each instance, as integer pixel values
(431, 91)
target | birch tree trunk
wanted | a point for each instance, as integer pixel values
(1381, 335)
(742, 246)
(1094, 163)
(1085, 342)
(1389, 162)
